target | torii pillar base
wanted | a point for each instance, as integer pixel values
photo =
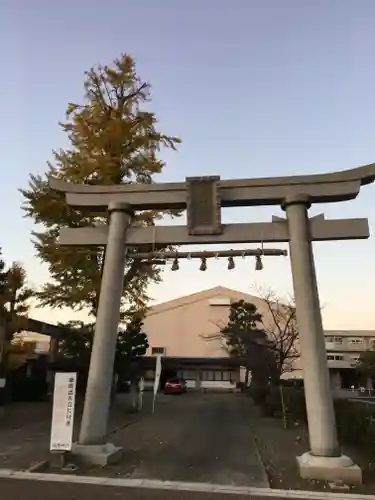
(340, 468)
(96, 454)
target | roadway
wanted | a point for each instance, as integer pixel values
(20, 489)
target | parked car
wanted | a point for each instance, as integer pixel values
(175, 386)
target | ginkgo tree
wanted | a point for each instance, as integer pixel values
(114, 139)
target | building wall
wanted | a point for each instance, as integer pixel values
(40, 342)
(190, 326)
(344, 347)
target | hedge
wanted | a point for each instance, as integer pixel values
(355, 420)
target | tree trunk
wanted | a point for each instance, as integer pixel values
(4, 396)
(134, 395)
(247, 376)
(3, 336)
(114, 387)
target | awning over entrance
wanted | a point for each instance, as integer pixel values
(176, 361)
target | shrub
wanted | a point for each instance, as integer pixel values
(355, 421)
(271, 406)
(295, 405)
(356, 424)
(270, 401)
(259, 394)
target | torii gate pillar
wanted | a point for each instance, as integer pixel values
(325, 460)
(92, 446)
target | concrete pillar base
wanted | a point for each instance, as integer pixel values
(329, 468)
(98, 454)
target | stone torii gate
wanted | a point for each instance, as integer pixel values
(203, 198)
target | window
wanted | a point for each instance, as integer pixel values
(220, 301)
(157, 350)
(208, 376)
(216, 375)
(330, 358)
(337, 340)
(356, 341)
(187, 374)
(339, 358)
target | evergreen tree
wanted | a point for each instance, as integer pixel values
(114, 139)
(131, 343)
(3, 282)
(15, 304)
(366, 362)
(3, 277)
(246, 338)
(76, 345)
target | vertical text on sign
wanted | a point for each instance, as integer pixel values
(203, 205)
(63, 411)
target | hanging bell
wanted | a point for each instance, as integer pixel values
(258, 263)
(203, 266)
(175, 265)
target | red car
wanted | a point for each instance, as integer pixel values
(175, 386)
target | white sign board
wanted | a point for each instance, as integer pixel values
(157, 379)
(63, 411)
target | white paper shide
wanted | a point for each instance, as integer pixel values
(63, 411)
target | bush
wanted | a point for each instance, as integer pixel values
(271, 406)
(355, 421)
(259, 394)
(294, 400)
(356, 424)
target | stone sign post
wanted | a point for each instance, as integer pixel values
(295, 194)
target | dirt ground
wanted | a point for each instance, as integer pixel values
(25, 430)
(279, 448)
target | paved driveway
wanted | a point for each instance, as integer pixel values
(195, 437)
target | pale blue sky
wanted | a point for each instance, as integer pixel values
(253, 87)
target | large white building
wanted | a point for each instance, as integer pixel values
(185, 331)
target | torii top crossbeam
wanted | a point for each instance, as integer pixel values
(319, 188)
